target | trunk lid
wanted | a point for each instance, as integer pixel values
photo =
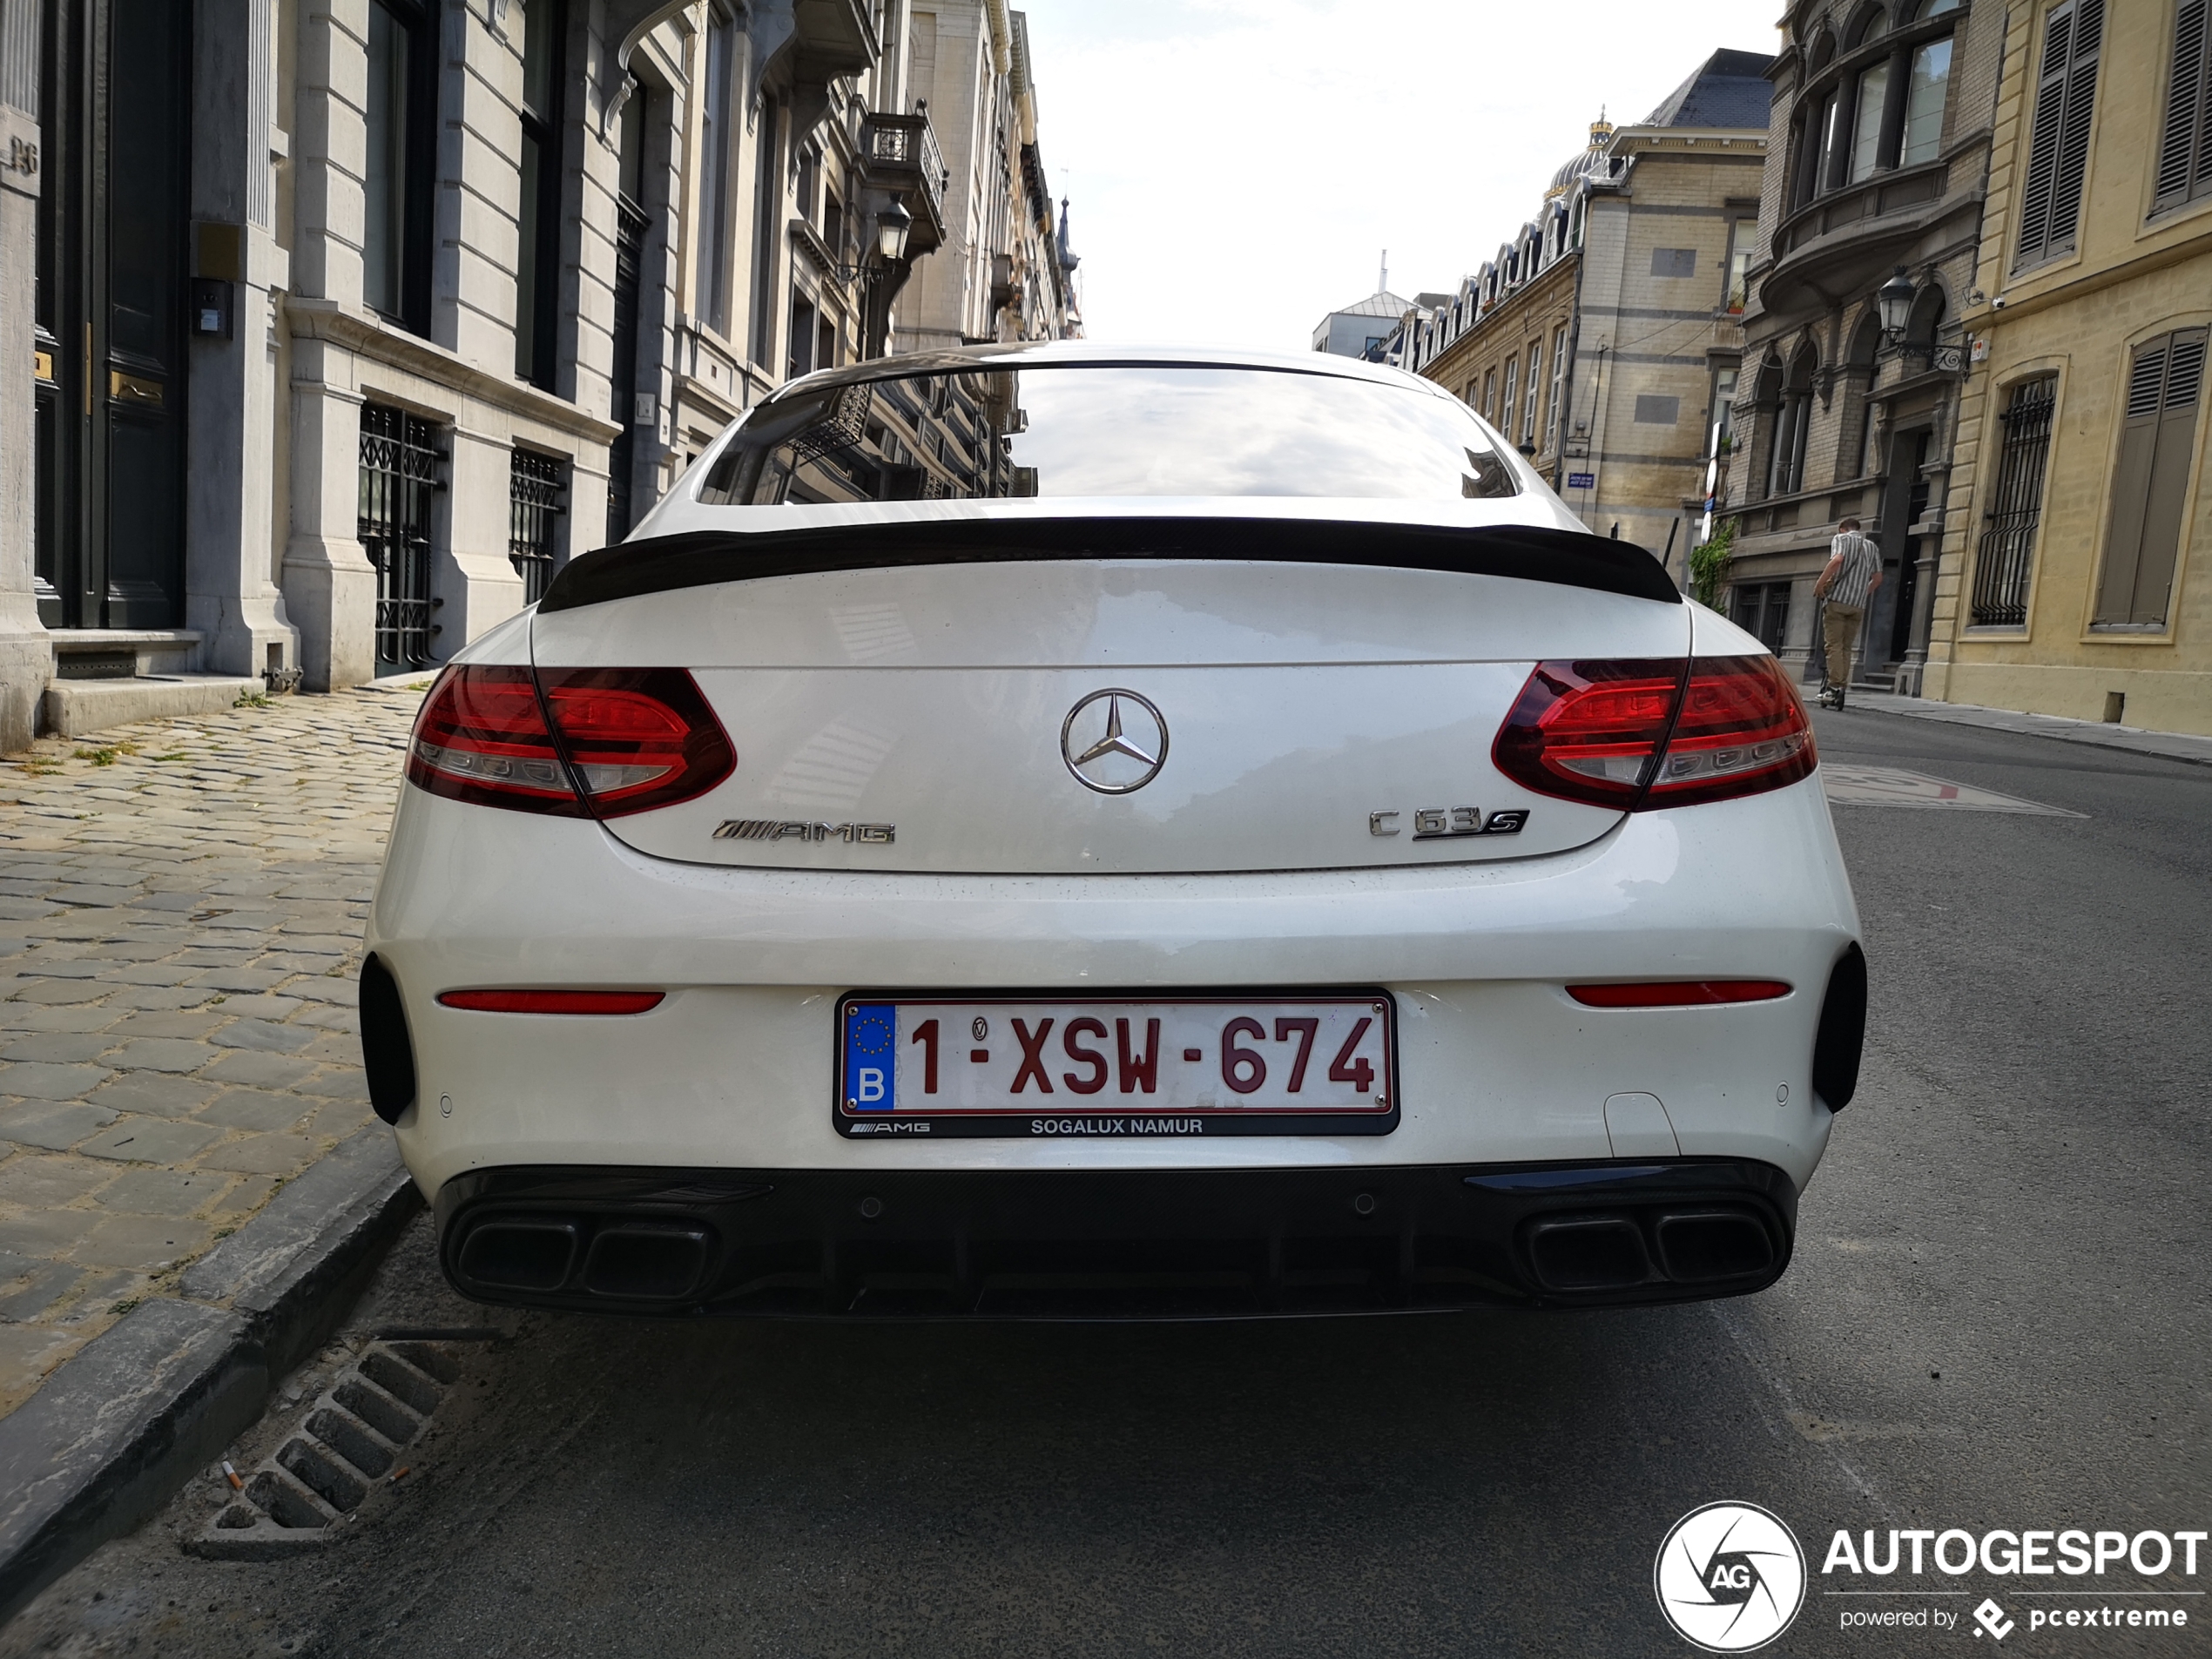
(936, 719)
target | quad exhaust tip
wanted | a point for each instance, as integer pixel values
(626, 1260)
(1625, 1251)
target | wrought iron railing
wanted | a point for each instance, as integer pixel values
(892, 145)
(535, 484)
(399, 463)
(2005, 557)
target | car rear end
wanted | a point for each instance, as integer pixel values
(1175, 907)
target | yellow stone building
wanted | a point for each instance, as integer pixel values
(1604, 341)
(2067, 587)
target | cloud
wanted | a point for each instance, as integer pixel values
(1236, 168)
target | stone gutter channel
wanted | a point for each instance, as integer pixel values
(151, 1401)
(192, 1191)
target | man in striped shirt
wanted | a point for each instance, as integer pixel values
(1854, 571)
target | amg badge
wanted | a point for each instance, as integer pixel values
(770, 829)
(1449, 823)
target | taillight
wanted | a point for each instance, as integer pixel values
(1742, 730)
(1650, 732)
(637, 738)
(633, 738)
(482, 738)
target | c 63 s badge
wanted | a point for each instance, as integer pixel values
(770, 829)
(1450, 823)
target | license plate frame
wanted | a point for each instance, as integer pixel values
(1063, 1116)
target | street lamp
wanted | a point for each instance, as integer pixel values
(892, 225)
(1895, 298)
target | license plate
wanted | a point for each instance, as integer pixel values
(1047, 1068)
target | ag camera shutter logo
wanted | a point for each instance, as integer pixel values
(1730, 1577)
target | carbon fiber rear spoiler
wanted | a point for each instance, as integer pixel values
(706, 558)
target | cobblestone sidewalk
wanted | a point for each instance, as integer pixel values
(181, 906)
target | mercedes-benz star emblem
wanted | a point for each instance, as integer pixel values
(1114, 741)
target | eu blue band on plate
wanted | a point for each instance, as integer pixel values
(870, 1057)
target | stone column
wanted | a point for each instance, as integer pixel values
(329, 585)
(26, 655)
(475, 583)
(231, 592)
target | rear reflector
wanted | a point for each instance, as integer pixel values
(633, 739)
(1657, 731)
(1678, 994)
(552, 1002)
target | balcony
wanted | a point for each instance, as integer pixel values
(1840, 244)
(899, 153)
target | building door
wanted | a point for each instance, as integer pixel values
(111, 282)
(1904, 578)
(1904, 499)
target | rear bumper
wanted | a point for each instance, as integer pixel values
(1121, 1244)
(735, 1069)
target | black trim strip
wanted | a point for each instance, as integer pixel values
(703, 558)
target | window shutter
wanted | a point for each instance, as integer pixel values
(2184, 168)
(2157, 441)
(2058, 143)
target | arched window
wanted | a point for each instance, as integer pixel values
(1869, 24)
(1852, 460)
(1793, 427)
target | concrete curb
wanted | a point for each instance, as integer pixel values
(126, 1421)
(2129, 739)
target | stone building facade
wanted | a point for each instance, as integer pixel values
(347, 322)
(1008, 272)
(1603, 340)
(2067, 582)
(1879, 149)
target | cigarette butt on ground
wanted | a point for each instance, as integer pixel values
(231, 1475)
(401, 1473)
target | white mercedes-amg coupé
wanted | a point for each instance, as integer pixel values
(1068, 831)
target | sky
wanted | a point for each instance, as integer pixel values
(1236, 167)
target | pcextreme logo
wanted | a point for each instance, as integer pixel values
(1730, 1577)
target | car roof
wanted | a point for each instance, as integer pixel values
(1088, 353)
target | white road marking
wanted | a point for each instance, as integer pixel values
(1849, 785)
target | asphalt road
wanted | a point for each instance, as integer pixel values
(1997, 1318)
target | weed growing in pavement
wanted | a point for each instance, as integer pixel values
(126, 1304)
(175, 755)
(419, 685)
(100, 756)
(252, 700)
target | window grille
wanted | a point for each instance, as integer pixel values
(534, 486)
(2007, 554)
(399, 471)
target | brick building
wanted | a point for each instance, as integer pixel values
(1880, 143)
(1603, 340)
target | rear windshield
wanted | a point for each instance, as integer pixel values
(1144, 429)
